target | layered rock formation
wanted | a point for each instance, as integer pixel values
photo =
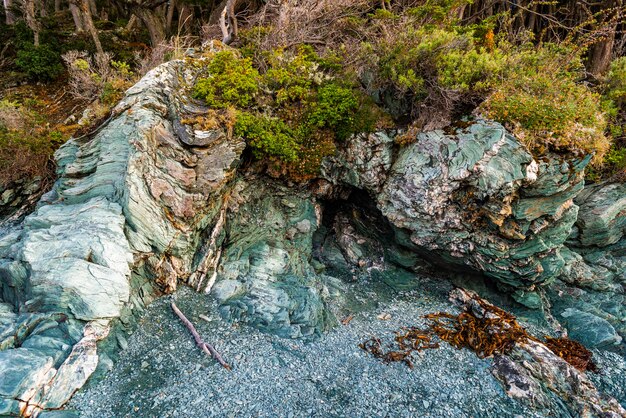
(265, 276)
(474, 195)
(122, 222)
(146, 202)
(589, 296)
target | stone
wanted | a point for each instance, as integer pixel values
(363, 161)
(265, 277)
(22, 370)
(478, 198)
(602, 218)
(590, 330)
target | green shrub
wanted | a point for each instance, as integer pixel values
(534, 90)
(293, 111)
(231, 81)
(541, 100)
(615, 85)
(39, 63)
(26, 144)
(336, 109)
(267, 136)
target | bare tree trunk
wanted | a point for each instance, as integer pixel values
(532, 19)
(57, 6)
(31, 21)
(214, 17)
(76, 15)
(93, 8)
(154, 22)
(170, 16)
(228, 22)
(600, 55)
(8, 12)
(601, 52)
(132, 21)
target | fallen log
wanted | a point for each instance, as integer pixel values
(206, 347)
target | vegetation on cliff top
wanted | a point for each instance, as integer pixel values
(308, 75)
(291, 107)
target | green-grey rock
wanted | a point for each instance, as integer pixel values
(589, 329)
(124, 220)
(478, 198)
(602, 218)
(265, 276)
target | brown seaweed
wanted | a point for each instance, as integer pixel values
(493, 331)
(572, 352)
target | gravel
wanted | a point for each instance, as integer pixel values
(163, 374)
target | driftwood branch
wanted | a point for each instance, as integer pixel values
(206, 347)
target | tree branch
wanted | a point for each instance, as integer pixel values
(206, 347)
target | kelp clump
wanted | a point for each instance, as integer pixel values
(489, 332)
(573, 352)
(408, 340)
(493, 332)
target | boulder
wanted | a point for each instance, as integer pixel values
(602, 216)
(590, 330)
(477, 197)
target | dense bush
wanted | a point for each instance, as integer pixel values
(445, 69)
(39, 62)
(231, 81)
(541, 101)
(26, 144)
(292, 111)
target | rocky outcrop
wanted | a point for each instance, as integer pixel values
(602, 218)
(128, 210)
(147, 202)
(533, 374)
(265, 277)
(363, 162)
(474, 195)
(589, 297)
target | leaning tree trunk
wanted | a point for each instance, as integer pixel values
(154, 22)
(85, 8)
(8, 12)
(228, 22)
(57, 6)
